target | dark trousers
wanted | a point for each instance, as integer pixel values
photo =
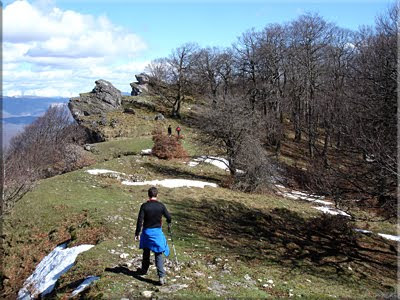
(159, 262)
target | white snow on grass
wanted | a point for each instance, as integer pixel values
(47, 272)
(384, 235)
(390, 237)
(172, 183)
(296, 195)
(103, 171)
(146, 152)
(331, 211)
(362, 230)
(84, 285)
(219, 162)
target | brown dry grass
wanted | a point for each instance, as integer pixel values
(78, 229)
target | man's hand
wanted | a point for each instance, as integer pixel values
(137, 237)
(169, 227)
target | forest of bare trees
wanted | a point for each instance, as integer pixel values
(329, 89)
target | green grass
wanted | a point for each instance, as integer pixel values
(117, 148)
(221, 235)
(263, 236)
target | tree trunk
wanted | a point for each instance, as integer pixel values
(326, 144)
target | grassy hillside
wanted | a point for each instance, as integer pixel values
(230, 244)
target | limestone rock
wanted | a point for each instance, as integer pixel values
(159, 117)
(141, 85)
(147, 294)
(103, 98)
(129, 110)
(142, 78)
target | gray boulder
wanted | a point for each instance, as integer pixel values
(136, 90)
(159, 117)
(141, 85)
(129, 110)
(142, 78)
(103, 98)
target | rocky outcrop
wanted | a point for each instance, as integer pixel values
(102, 99)
(141, 85)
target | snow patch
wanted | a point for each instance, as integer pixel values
(362, 230)
(390, 237)
(219, 162)
(172, 183)
(296, 195)
(84, 285)
(47, 272)
(103, 171)
(384, 235)
(331, 211)
(146, 152)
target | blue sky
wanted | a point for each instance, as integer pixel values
(59, 48)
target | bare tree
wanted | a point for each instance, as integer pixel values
(41, 150)
(170, 77)
(232, 125)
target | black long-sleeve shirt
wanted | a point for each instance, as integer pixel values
(150, 215)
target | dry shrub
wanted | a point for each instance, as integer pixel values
(167, 147)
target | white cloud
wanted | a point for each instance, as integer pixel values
(52, 52)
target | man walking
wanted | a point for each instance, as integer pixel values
(169, 130)
(152, 237)
(178, 131)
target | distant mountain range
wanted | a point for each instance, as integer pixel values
(18, 112)
(27, 105)
(24, 120)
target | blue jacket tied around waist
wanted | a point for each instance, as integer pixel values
(154, 239)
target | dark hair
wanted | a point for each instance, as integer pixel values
(152, 192)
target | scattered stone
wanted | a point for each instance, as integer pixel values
(211, 266)
(126, 264)
(103, 121)
(113, 123)
(270, 281)
(159, 117)
(247, 277)
(88, 147)
(173, 288)
(124, 255)
(198, 274)
(129, 110)
(217, 287)
(147, 294)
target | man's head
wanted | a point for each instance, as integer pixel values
(152, 192)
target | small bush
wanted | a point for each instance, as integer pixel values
(167, 147)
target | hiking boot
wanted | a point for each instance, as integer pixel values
(163, 281)
(140, 271)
